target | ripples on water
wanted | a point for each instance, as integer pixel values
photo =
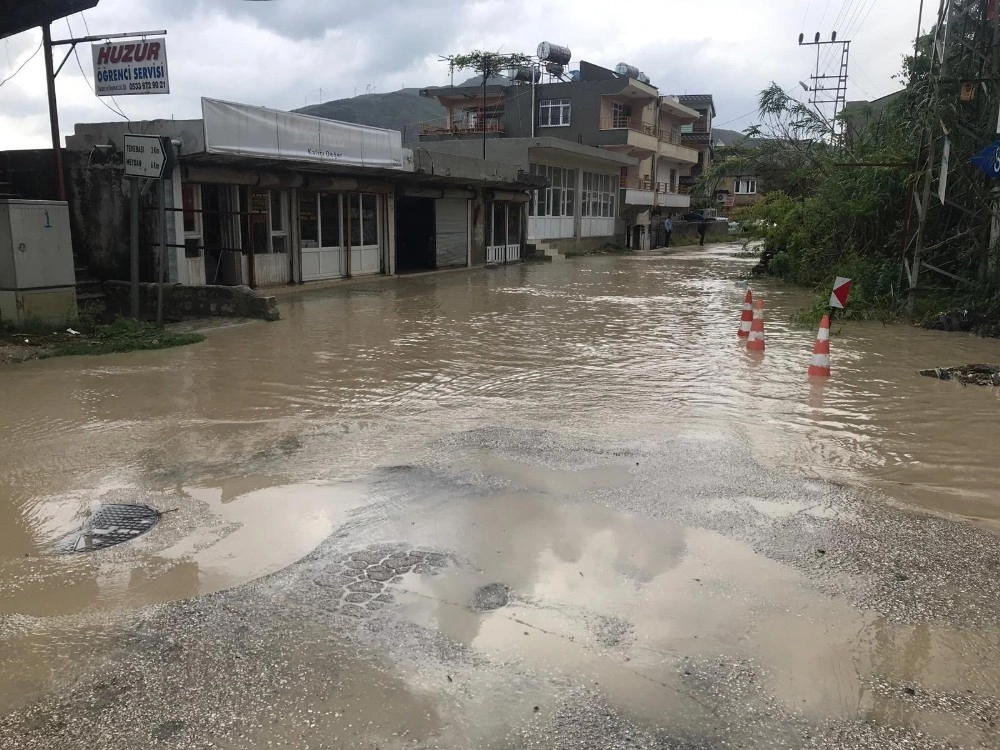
(634, 347)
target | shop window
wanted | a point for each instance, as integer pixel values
(309, 219)
(191, 209)
(600, 195)
(329, 220)
(364, 219)
(279, 221)
(559, 198)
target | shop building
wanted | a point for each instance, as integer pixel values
(262, 197)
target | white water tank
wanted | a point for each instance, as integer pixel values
(37, 278)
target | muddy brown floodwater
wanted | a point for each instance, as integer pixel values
(543, 506)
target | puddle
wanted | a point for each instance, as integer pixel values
(221, 536)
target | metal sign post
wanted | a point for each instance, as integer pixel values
(145, 156)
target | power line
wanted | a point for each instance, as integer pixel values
(824, 13)
(21, 66)
(802, 26)
(870, 9)
(86, 80)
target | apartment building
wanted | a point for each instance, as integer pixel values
(698, 134)
(610, 144)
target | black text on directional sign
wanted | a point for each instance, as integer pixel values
(132, 67)
(143, 156)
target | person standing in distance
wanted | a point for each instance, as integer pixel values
(668, 227)
(702, 228)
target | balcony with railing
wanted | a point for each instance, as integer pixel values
(462, 127)
(647, 183)
(644, 191)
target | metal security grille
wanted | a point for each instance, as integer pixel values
(110, 525)
(452, 231)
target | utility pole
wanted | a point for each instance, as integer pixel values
(820, 89)
(50, 86)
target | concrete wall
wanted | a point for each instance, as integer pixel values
(582, 245)
(585, 110)
(498, 150)
(182, 302)
(98, 204)
(86, 135)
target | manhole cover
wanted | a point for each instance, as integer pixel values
(110, 525)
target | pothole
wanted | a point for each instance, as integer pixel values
(110, 525)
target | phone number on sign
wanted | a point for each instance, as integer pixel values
(146, 85)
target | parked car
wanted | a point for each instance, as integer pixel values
(692, 216)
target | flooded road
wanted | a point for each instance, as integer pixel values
(537, 506)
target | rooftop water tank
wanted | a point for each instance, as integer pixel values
(525, 75)
(643, 78)
(554, 53)
(627, 71)
(554, 68)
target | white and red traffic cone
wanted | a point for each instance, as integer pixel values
(819, 365)
(755, 342)
(747, 319)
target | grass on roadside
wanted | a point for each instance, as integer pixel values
(90, 337)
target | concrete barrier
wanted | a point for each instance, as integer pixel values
(182, 302)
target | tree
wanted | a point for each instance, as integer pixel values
(488, 65)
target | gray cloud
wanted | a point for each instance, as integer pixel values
(281, 53)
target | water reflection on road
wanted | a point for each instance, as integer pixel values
(384, 411)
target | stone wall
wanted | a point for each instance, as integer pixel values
(181, 302)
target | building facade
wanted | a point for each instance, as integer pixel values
(262, 197)
(598, 110)
(697, 135)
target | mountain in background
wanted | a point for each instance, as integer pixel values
(401, 110)
(727, 137)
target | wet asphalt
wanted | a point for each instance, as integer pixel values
(499, 577)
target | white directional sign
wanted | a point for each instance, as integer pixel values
(143, 156)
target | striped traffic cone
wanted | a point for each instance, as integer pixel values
(744, 330)
(755, 343)
(820, 363)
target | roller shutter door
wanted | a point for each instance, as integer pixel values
(452, 228)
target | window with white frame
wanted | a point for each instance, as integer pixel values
(621, 115)
(600, 195)
(744, 186)
(269, 221)
(279, 221)
(553, 112)
(191, 204)
(558, 199)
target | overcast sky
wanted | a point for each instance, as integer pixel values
(281, 53)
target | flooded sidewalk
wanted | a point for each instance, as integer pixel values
(541, 506)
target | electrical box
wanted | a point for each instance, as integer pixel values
(37, 277)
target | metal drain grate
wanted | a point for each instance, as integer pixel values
(110, 525)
